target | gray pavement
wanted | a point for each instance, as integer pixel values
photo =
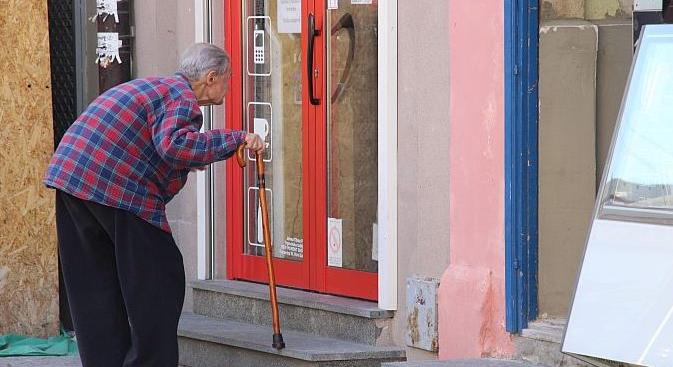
(40, 362)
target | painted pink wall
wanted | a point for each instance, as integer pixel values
(471, 295)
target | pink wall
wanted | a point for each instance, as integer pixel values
(471, 296)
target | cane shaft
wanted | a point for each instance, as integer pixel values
(278, 342)
(267, 242)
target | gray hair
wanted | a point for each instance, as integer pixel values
(201, 58)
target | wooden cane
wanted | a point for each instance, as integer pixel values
(278, 342)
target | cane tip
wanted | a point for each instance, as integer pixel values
(278, 342)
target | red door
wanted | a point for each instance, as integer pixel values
(304, 78)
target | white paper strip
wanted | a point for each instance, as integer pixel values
(108, 48)
(105, 8)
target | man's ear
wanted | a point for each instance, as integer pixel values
(211, 77)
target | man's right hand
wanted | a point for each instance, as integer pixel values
(254, 143)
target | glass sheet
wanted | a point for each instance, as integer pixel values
(623, 301)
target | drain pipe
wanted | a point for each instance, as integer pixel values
(114, 56)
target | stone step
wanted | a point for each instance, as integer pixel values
(325, 315)
(211, 342)
(462, 363)
(540, 343)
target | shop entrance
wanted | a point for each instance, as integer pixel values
(305, 79)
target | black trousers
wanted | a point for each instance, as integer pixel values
(125, 282)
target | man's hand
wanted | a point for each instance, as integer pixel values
(254, 143)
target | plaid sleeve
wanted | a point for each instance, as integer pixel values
(178, 141)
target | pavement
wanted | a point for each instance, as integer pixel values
(40, 362)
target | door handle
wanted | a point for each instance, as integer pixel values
(312, 33)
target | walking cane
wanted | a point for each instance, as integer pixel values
(278, 342)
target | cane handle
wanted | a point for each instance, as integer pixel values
(240, 155)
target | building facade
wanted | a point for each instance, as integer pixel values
(437, 160)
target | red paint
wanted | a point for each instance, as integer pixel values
(471, 294)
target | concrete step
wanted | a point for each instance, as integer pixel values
(540, 343)
(462, 363)
(211, 342)
(320, 314)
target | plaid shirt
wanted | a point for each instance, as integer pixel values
(133, 147)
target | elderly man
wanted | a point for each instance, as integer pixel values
(114, 171)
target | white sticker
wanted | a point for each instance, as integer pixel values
(105, 8)
(260, 224)
(289, 16)
(361, 2)
(108, 48)
(334, 242)
(375, 242)
(332, 4)
(293, 247)
(256, 230)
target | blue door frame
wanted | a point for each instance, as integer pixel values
(521, 162)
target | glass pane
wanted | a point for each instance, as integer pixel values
(352, 137)
(641, 175)
(272, 102)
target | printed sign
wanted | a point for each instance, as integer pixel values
(334, 242)
(332, 4)
(289, 16)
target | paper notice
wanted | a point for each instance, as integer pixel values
(108, 48)
(289, 16)
(334, 244)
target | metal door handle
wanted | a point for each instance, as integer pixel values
(312, 33)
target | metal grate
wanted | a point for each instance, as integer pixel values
(63, 94)
(63, 77)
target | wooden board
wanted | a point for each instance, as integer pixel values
(28, 260)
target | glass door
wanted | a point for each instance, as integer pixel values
(305, 79)
(350, 129)
(266, 44)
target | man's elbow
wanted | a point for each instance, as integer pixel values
(172, 154)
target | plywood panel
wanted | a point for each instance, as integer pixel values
(28, 260)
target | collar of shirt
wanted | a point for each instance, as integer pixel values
(190, 94)
(184, 78)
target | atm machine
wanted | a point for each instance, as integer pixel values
(622, 309)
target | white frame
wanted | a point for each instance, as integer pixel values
(202, 33)
(249, 128)
(247, 61)
(387, 144)
(247, 212)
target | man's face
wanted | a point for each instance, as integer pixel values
(217, 87)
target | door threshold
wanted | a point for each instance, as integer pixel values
(296, 297)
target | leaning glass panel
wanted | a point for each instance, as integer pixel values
(623, 304)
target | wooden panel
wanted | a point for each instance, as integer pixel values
(28, 260)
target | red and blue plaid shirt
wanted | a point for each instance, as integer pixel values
(133, 147)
